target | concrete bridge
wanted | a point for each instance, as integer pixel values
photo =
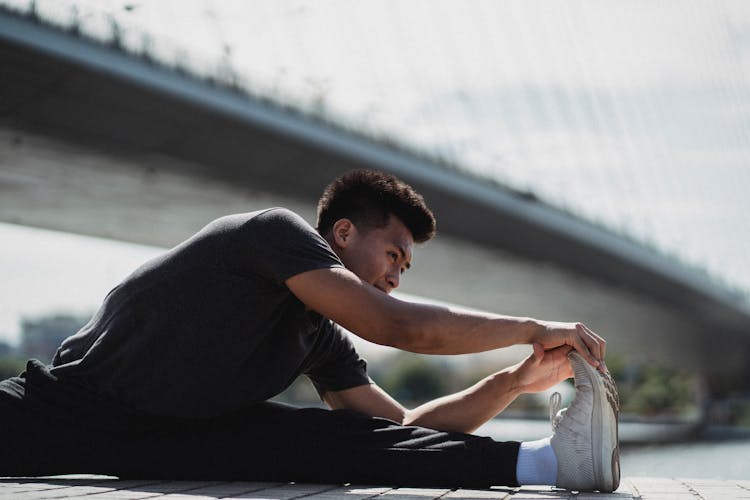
(99, 141)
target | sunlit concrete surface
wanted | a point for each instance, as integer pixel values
(95, 487)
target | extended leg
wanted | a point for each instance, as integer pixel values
(276, 442)
(58, 428)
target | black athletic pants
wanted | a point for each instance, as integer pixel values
(56, 427)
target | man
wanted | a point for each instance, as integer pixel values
(171, 377)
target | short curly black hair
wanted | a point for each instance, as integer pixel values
(368, 197)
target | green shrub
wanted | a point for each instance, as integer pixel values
(11, 366)
(412, 379)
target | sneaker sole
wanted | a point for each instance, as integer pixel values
(604, 436)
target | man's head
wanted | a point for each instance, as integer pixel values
(372, 220)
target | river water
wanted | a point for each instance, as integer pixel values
(713, 455)
(702, 459)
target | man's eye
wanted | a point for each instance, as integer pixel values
(393, 256)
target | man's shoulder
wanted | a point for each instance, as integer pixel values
(277, 214)
(274, 218)
(275, 227)
(270, 216)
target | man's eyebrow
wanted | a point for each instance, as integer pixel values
(403, 255)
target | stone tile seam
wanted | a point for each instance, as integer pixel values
(55, 486)
(690, 489)
(377, 495)
(325, 490)
(636, 493)
(447, 492)
(63, 487)
(253, 489)
(155, 494)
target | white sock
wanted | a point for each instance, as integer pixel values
(537, 463)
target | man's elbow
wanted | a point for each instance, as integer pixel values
(406, 326)
(411, 335)
(408, 417)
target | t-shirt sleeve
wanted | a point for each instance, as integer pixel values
(338, 365)
(279, 244)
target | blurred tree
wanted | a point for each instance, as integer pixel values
(412, 379)
(11, 366)
(300, 393)
(648, 390)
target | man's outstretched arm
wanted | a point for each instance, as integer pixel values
(463, 411)
(341, 296)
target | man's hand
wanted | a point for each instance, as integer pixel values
(542, 369)
(552, 334)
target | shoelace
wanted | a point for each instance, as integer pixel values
(555, 413)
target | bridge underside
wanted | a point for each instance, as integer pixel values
(148, 198)
(138, 153)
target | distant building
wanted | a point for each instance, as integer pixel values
(5, 349)
(41, 336)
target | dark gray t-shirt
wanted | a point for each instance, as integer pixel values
(209, 326)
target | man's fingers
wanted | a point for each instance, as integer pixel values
(595, 345)
(538, 352)
(587, 346)
(581, 349)
(602, 344)
(578, 336)
(600, 340)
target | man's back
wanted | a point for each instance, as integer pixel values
(208, 326)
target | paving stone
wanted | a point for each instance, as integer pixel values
(85, 477)
(186, 496)
(123, 494)
(288, 491)
(465, 494)
(414, 493)
(714, 489)
(653, 485)
(178, 486)
(531, 495)
(351, 493)
(229, 489)
(670, 494)
(619, 495)
(36, 484)
(704, 483)
(723, 495)
(74, 491)
(107, 488)
(28, 487)
(130, 483)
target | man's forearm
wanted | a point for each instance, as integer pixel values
(432, 329)
(465, 411)
(445, 330)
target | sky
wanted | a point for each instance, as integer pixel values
(634, 115)
(45, 272)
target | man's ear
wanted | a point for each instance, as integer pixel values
(344, 231)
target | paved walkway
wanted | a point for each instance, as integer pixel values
(102, 487)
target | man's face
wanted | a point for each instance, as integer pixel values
(377, 255)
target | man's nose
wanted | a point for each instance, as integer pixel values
(393, 278)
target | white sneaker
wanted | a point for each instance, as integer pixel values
(585, 439)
